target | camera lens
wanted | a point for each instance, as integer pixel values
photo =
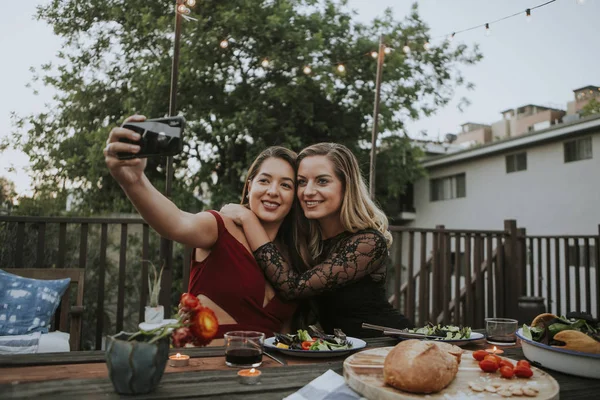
(163, 140)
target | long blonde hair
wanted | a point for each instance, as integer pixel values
(358, 211)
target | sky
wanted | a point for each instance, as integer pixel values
(535, 62)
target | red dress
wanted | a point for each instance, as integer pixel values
(232, 279)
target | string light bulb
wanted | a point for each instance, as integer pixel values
(406, 49)
(528, 15)
(341, 68)
(387, 50)
(265, 63)
(190, 3)
(307, 70)
(182, 9)
(488, 31)
(374, 54)
(451, 37)
(426, 46)
(224, 44)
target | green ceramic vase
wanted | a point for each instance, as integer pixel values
(135, 367)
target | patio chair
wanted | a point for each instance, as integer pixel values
(61, 318)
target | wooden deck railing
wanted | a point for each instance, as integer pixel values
(564, 271)
(439, 275)
(447, 260)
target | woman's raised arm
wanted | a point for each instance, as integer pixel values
(195, 230)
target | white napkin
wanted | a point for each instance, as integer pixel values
(329, 386)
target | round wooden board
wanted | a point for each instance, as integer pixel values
(363, 372)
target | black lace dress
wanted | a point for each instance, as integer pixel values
(348, 282)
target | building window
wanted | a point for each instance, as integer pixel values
(516, 162)
(449, 187)
(578, 149)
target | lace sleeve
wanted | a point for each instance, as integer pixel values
(355, 258)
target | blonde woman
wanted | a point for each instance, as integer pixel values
(346, 241)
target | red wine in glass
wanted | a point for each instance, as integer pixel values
(245, 357)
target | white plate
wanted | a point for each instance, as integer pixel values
(145, 326)
(571, 362)
(458, 342)
(357, 344)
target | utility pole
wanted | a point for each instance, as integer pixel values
(380, 58)
(166, 245)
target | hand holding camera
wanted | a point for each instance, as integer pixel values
(138, 138)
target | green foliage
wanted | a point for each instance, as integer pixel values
(116, 60)
(591, 108)
(7, 193)
(397, 166)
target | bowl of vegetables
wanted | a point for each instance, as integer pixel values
(568, 344)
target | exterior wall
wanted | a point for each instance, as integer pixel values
(501, 129)
(523, 123)
(550, 197)
(481, 135)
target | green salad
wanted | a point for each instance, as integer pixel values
(318, 341)
(444, 332)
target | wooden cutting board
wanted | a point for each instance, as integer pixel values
(363, 372)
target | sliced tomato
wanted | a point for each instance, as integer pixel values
(306, 345)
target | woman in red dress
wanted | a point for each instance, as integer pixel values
(224, 274)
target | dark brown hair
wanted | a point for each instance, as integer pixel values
(287, 230)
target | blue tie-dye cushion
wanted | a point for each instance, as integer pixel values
(27, 305)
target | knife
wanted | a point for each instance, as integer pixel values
(272, 357)
(408, 335)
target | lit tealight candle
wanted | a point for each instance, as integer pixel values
(495, 350)
(179, 360)
(249, 376)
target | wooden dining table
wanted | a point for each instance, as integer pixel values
(84, 375)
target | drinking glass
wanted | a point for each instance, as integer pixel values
(244, 349)
(501, 331)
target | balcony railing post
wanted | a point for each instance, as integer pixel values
(521, 260)
(511, 268)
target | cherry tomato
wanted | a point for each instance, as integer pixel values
(523, 372)
(495, 359)
(488, 365)
(524, 363)
(507, 372)
(480, 354)
(306, 345)
(506, 363)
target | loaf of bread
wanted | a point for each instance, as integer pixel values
(421, 366)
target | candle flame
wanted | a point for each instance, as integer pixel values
(495, 349)
(252, 371)
(178, 355)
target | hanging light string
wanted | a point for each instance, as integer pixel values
(183, 8)
(486, 25)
